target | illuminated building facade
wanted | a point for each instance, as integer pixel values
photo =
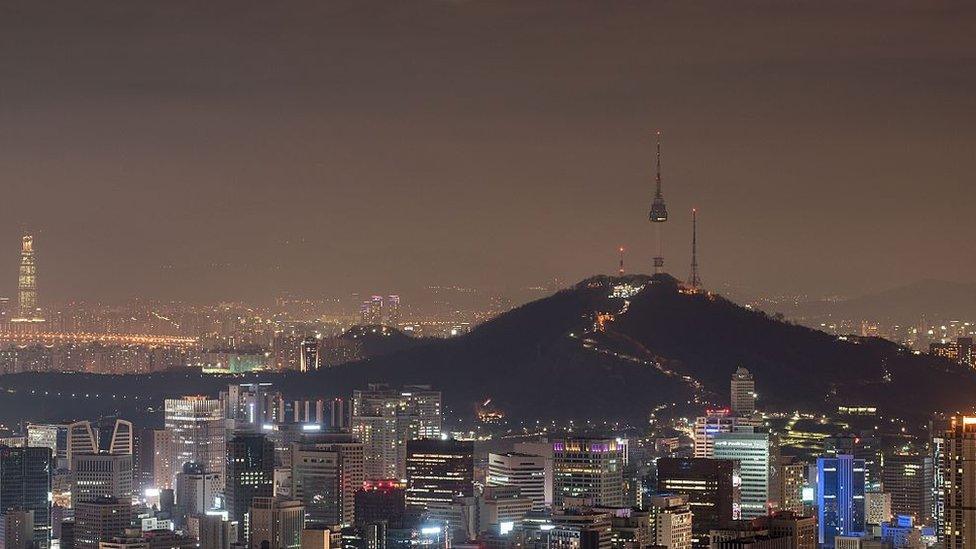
(743, 393)
(908, 478)
(310, 360)
(196, 427)
(100, 475)
(25, 484)
(752, 451)
(840, 498)
(327, 470)
(250, 473)
(438, 471)
(710, 487)
(958, 471)
(384, 419)
(27, 309)
(276, 522)
(713, 423)
(589, 468)
(524, 471)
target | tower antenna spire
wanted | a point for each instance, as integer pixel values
(695, 279)
(620, 271)
(659, 212)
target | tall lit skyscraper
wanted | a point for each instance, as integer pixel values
(196, 425)
(840, 498)
(588, 468)
(27, 309)
(438, 471)
(250, 473)
(310, 360)
(743, 393)
(100, 475)
(25, 484)
(958, 465)
(752, 451)
(384, 419)
(327, 470)
(908, 478)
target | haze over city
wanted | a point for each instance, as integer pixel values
(239, 150)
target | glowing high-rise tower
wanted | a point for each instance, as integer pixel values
(27, 310)
(659, 212)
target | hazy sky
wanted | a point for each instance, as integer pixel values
(240, 149)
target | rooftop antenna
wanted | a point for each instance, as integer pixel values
(620, 271)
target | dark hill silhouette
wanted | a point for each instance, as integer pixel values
(544, 360)
(377, 340)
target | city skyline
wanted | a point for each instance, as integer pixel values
(482, 144)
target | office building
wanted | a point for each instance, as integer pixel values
(197, 491)
(53, 436)
(709, 486)
(327, 471)
(743, 393)
(542, 448)
(752, 451)
(213, 531)
(877, 507)
(840, 498)
(589, 468)
(715, 422)
(791, 477)
(196, 425)
(908, 478)
(438, 471)
(384, 419)
(580, 528)
(250, 473)
(100, 520)
(527, 472)
(25, 484)
(502, 507)
(100, 475)
(309, 357)
(958, 469)
(277, 522)
(671, 521)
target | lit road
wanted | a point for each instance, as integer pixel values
(51, 338)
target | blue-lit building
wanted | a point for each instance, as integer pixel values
(840, 498)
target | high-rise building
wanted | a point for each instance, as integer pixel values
(393, 310)
(877, 507)
(713, 423)
(752, 450)
(908, 478)
(958, 467)
(100, 520)
(791, 477)
(580, 528)
(276, 522)
(310, 360)
(100, 475)
(709, 486)
(81, 439)
(438, 471)
(542, 448)
(840, 498)
(27, 308)
(25, 483)
(384, 419)
(250, 473)
(286, 351)
(671, 521)
(164, 455)
(527, 472)
(197, 491)
(196, 425)
(589, 468)
(743, 393)
(213, 531)
(327, 470)
(799, 530)
(250, 405)
(53, 436)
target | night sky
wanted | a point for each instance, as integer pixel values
(210, 150)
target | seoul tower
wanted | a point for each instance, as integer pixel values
(659, 212)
